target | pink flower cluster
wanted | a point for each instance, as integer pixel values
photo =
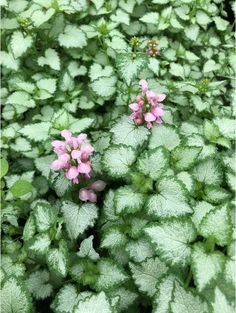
(90, 194)
(148, 107)
(73, 156)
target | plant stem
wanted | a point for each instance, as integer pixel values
(189, 277)
(210, 244)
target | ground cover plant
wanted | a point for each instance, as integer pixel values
(117, 169)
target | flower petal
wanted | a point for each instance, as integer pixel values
(149, 117)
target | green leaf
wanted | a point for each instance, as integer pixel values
(186, 302)
(211, 131)
(128, 133)
(21, 98)
(129, 67)
(208, 172)
(98, 3)
(45, 215)
(80, 125)
(38, 284)
(221, 24)
(128, 201)
(171, 200)
(109, 207)
(172, 239)
(200, 210)
(78, 218)
(139, 250)
(43, 164)
(21, 145)
(104, 86)
(86, 249)
(47, 85)
(206, 265)
(66, 299)
(31, 131)
(150, 18)
(164, 294)
(117, 160)
(120, 17)
(10, 214)
(202, 18)
(12, 268)
(113, 238)
(109, 276)
(217, 225)
(147, 274)
(152, 163)
(209, 66)
(60, 183)
(127, 297)
(221, 304)
(40, 244)
(20, 43)
(4, 166)
(39, 17)
(177, 70)
(15, 298)
(29, 228)
(216, 195)
(51, 59)
(98, 302)
(20, 188)
(72, 37)
(185, 156)
(164, 136)
(192, 31)
(226, 126)
(8, 60)
(58, 259)
(96, 71)
(187, 180)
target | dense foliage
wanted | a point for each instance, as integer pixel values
(160, 236)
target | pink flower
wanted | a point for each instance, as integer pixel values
(72, 173)
(76, 154)
(59, 146)
(56, 165)
(92, 196)
(66, 134)
(149, 117)
(134, 107)
(87, 195)
(86, 151)
(84, 168)
(84, 194)
(161, 97)
(144, 85)
(98, 185)
(74, 159)
(81, 138)
(147, 108)
(157, 111)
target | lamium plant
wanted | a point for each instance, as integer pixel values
(117, 167)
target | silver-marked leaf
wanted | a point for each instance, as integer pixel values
(118, 159)
(78, 218)
(128, 201)
(153, 162)
(172, 239)
(171, 200)
(164, 136)
(128, 133)
(147, 274)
